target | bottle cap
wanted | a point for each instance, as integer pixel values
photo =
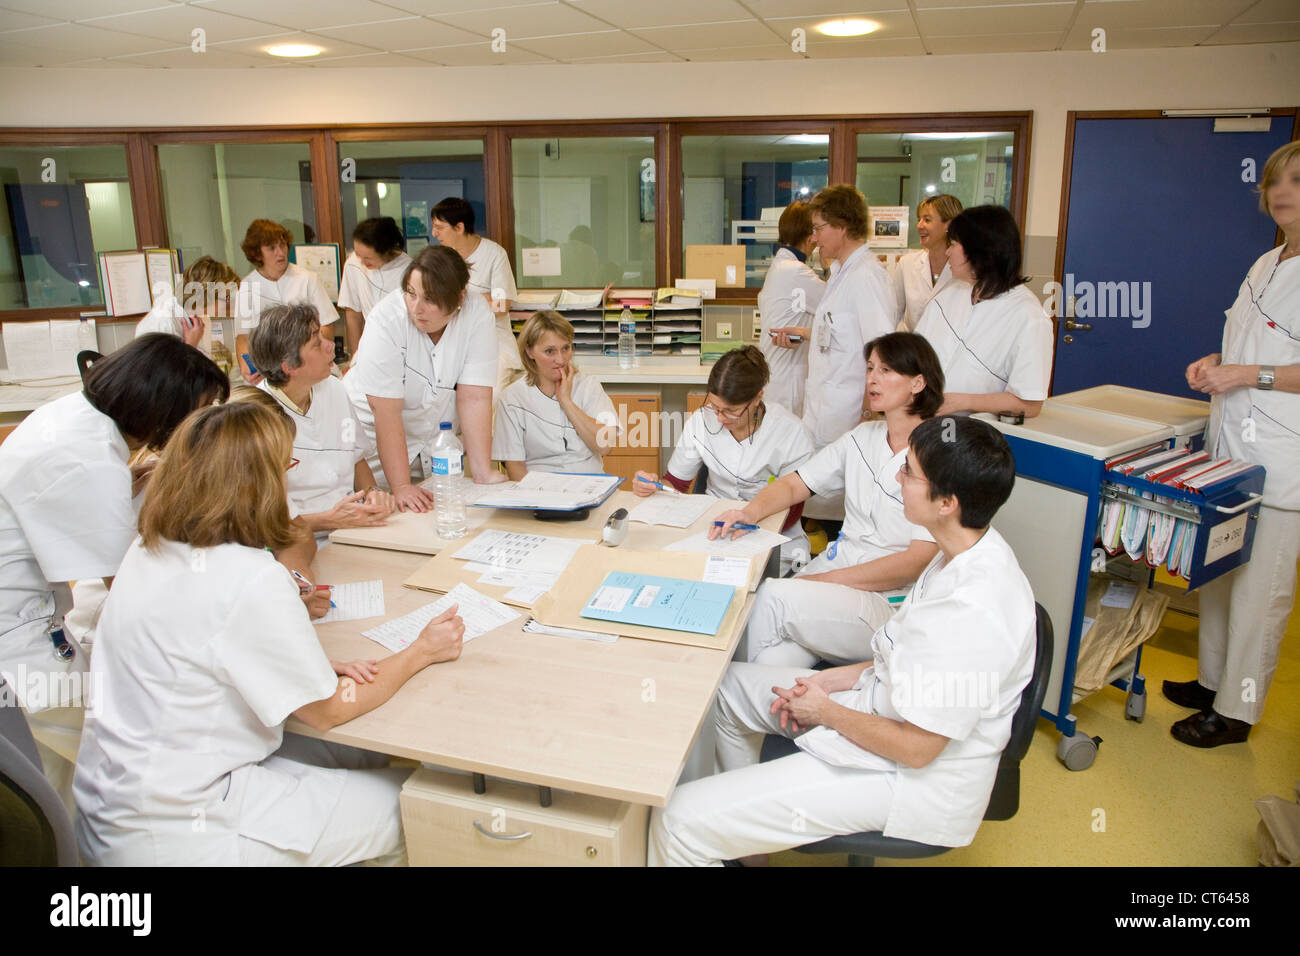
(445, 426)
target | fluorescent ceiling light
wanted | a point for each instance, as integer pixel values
(293, 49)
(849, 27)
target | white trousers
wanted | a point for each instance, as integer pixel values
(1244, 616)
(366, 823)
(796, 623)
(757, 807)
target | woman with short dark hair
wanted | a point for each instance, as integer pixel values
(374, 269)
(786, 304)
(990, 332)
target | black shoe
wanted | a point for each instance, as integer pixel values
(1210, 729)
(1189, 694)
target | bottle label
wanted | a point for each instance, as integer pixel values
(452, 466)
(628, 327)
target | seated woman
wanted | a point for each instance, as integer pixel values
(743, 441)
(830, 609)
(992, 336)
(332, 485)
(208, 292)
(208, 651)
(374, 269)
(554, 418)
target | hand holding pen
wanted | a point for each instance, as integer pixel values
(315, 596)
(732, 523)
(646, 483)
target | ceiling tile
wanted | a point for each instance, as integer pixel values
(80, 9)
(1255, 33)
(297, 15)
(1000, 43)
(664, 13)
(955, 22)
(707, 36)
(825, 48)
(1159, 13)
(176, 24)
(70, 41)
(436, 8)
(256, 48)
(823, 9)
(18, 54)
(608, 43)
(1119, 38)
(12, 20)
(368, 60)
(477, 54)
(102, 63)
(404, 34)
(1271, 11)
(536, 20)
(892, 24)
(214, 58)
(656, 56)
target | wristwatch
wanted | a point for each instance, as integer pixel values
(1266, 375)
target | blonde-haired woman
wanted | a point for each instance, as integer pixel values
(208, 292)
(207, 651)
(552, 419)
(922, 273)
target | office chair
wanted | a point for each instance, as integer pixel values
(1004, 801)
(85, 359)
(34, 826)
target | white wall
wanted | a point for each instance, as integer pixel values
(1050, 84)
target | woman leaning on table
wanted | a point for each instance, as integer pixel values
(429, 355)
(1254, 416)
(208, 650)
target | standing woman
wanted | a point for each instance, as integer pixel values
(207, 651)
(66, 491)
(992, 336)
(789, 297)
(859, 305)
(374, 269)
(1255, 417)
(922, 274)
(274, 281)
(553, 419)
(744, 441)
(429, 355)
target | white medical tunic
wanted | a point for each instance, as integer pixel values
(1003, 344)
(915, 288)
(168, 316)
(489, 270)
(362, 288)
(862, 467)
(203, 654)
(790, 296)
(739, 470)
(531, 427)
(396, 360)
(328, 442)
(65, 514)
(257, 293)
(859, 305)
(954, 661)
(1263, 425)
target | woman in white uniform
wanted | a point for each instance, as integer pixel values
(66, 490)
(1255, 417)
(789, 298)
(490, 275)
(923, 273)
(830, 609)
(554, 418)
(332, 485)
(207, 651)
(274, 281)
(990, 332)
(880, 750)
(374, 269)
(208, 291)
(428, 356)
(858, 306)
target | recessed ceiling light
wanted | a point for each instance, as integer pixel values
(293, 49)
(851, 27)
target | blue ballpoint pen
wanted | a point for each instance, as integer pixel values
(739, 524)
(662, 487)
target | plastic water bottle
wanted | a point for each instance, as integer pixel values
(448, 477)
(626, 339)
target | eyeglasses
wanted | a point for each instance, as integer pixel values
(818, 228)
(906, 472)
(729, 416)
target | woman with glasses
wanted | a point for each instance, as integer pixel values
(206, 650)
(743, 441)
(553, 419)
(830, 610)
(429, 355)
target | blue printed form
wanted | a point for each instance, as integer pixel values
(670, 603)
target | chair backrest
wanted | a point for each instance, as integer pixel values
(34, 826)
(85, 359)
(1005, 798)
(701, 486)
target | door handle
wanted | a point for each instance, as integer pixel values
(1073, 326)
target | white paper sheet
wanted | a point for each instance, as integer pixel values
(128, 283)
(354, 601)
(747, 545)
(507, 578)
(520, 552)
(67, 338)
(539, 489)
(1119, 594)
(480, 613)
(541, 261)
(676, 511)
(27, 350)
(721, 569)
(526, 594)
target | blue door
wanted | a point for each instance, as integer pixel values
(1162, 229)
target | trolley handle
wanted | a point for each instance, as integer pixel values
(1251, 500)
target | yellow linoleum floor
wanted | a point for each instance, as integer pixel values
(1147, 800)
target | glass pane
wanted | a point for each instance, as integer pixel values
(211, 192)
(593, 198)
(901, 169)
(62, 206)
(406, 179)
(729, 182)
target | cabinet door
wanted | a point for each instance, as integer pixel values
(638, 413)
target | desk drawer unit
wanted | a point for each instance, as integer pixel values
(638, 412)
(448, 824)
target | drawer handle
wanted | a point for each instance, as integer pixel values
(502, 836)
